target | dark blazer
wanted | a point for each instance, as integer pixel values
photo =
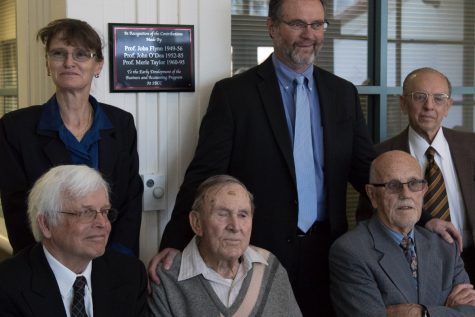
(27, 152)
(462, 149)
(28, 286)
(369, 271)
(244, 133)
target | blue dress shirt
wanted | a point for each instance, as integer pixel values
(286, 78)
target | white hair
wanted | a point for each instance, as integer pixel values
(57, 186)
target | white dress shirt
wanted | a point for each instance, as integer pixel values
(65, 279)
(192, 264)
(418, 147)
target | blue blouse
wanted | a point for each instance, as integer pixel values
(85, 151)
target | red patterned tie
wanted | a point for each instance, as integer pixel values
(410, 254)
(435, 200)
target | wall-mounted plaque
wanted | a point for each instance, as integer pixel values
(151, 57)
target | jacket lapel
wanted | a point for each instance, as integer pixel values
(45, 297)
(101, 295)
(326, 95)
(392, 261)
(401, 142)
(108, 152)
(464, 167)
(427, 264)
(272, 100)
(111, 294)
(54, 149)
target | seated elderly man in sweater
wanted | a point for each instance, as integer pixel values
(219, 273)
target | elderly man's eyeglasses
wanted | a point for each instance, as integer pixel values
(300, 25)
(395, 187)
(78, 54)
(420, 97)
(89, 215)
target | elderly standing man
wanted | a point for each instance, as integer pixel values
(68, 272)
(219, 273)
(444, 154)
(387, 266)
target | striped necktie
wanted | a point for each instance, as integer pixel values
(435, 200)
(303, 158)
(78, 308)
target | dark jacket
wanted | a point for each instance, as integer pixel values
(27, 152)
(28, 287)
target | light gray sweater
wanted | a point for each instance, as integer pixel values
(196, 297)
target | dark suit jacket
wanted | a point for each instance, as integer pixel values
(28, 287)
(244, 133)
(26, 153)
(462, 149)
(369, 272)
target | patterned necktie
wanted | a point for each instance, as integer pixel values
(435, 200)
(303, 158)
(408, 246)
(77, 306)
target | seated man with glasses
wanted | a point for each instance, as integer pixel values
(446, 156)
(387, 266)
(69, 272)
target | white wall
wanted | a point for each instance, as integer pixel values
(167, 123)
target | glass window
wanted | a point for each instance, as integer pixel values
(8, 57)
(344, 53)
(8, 68)
(375, 44)
(432, 33)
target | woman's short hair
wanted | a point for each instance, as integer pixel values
(72, 32)
(59, 185)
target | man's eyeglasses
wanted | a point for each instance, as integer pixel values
(78, 54)
(420, 97)
(300, 25)
(395, 187)
(88, 215)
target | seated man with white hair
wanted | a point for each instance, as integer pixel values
(219, 273)
(69, 272)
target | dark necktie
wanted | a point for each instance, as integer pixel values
(407, 246)
(77, 306)
(303, 158)
(435, 200)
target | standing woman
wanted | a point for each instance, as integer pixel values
(71, 128)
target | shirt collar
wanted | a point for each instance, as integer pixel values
(397, 236)
(51, 119)
(286, 75)
(418, 145)
(192, 263)
(64, 276)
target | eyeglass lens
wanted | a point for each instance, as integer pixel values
(79, 55)
(91, 214)
(422, 97)
(414, 185)
(301, 25)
